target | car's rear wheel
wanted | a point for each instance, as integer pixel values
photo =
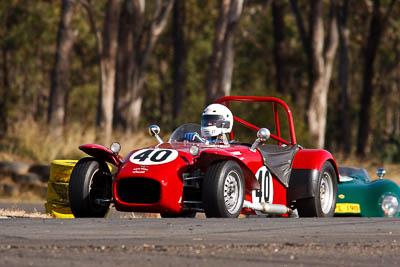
(90, 183)
(323, 203)
(223, 190)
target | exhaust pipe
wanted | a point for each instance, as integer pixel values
(272, 209)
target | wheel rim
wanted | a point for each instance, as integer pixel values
(232, 192)
(326, 193)
(96, 190)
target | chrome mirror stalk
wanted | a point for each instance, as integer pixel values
(262, 135)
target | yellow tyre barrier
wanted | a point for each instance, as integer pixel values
(57, 193)
(60, 170)
(58, 210)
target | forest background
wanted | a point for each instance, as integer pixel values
(81, 71)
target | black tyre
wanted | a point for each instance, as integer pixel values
(90, 180)
(223, 190)
(185, 214)
(324, 202)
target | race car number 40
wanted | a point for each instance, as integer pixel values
(153, 156)
(266, 192)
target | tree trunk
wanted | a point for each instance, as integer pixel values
(4, 89)
(180, 56)
(60, 73)
(108, 70)
(305, 40)
(375, 33)
(279, 46)
(343, 72)
(144, 38)
(322, 63)
(219, 76)
(125, 63)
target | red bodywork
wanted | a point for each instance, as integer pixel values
(167, 178)
(101, 152)
(169, 175)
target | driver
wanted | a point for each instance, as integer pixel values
(216, 122)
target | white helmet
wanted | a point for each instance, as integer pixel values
(216, 120)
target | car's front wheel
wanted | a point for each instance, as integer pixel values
(323, 203)
(223, 190)
(90, 183)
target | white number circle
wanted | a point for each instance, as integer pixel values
(265, 194)
(153, 156)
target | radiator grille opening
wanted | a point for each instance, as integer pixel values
(139, 190)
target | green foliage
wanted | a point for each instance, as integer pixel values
(386, 149)
(28, 33)
(27, 40)
(83, 100)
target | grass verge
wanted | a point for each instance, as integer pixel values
(33, 142)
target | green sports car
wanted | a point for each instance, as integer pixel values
(359, 196)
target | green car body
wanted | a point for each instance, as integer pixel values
(359, 196)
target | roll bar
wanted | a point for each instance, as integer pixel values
(276, 101)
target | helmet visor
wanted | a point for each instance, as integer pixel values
(210, 120)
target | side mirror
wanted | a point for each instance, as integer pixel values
(262, 135)
(381, 172)
(154, 130)
(115, 147)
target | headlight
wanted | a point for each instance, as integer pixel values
(194, 150)
(390, 205)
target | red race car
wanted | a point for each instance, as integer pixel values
(200, 170)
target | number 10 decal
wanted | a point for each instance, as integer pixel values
(265, 194)
(153, 156)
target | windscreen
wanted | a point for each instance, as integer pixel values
(359, 173)
(178, 134)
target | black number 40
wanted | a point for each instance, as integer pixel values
(263, 180)
(158, 156)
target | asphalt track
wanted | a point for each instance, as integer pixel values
(200, 242)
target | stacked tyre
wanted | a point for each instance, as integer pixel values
(57, 191)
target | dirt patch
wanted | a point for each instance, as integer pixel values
(18, 213)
